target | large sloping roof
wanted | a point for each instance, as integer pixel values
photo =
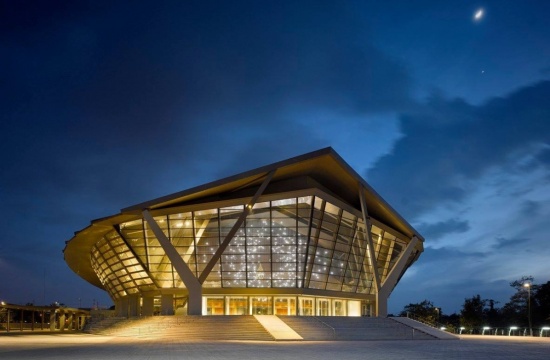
(323, 167)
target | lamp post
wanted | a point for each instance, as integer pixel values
(528, 286)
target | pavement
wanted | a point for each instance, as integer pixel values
(85, 346)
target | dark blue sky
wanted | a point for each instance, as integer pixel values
(107, 104)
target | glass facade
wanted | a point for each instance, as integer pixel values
(281, 306)
(296, 242)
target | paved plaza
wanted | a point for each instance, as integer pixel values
(83, 346)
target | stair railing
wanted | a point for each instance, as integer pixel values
(327, 325)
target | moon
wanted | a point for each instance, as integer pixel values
(479, 15)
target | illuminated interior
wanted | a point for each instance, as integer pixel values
(269, 251)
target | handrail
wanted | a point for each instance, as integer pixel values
(324, 323)
(434, 325)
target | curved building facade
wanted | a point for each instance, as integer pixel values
(305, 236)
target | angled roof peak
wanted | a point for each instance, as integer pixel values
(325, 166)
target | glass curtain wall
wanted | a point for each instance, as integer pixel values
(300, 242)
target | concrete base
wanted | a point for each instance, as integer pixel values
(133, 306)
(148, 306)
(167, 304)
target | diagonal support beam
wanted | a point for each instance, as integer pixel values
(235, 228)
(189, 279)
(371, 254)
(393, 276)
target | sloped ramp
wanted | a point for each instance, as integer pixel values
(417, 325)
(277, 328)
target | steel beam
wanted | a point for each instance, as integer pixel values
(208, 268)
(392, 278)
(370, 253)
(191, 283)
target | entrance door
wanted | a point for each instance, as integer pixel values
(323, 307)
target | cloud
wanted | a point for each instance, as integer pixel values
(531, 209)
(474, 181)
(101, 111)
(441, 228)
(447, 144)
(507, 244)
(114, 103)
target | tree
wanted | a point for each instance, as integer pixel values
(424, 311)
(514, 312)
(450, 322)
(541, 310)
(471, 315)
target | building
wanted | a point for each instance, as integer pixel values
(304, 236)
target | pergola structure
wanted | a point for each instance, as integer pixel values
(41, 318)
(304, 236)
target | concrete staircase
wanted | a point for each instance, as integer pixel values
(247, 327)
(244, 327)
(96, 326)
(353, 328)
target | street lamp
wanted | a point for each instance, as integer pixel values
(528, 286)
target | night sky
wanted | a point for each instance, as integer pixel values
(105, 104)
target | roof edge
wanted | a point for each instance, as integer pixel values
(263, 169)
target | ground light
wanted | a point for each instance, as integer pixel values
(512, 328)
(546, 328)
(462, 328)
(485, 328)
